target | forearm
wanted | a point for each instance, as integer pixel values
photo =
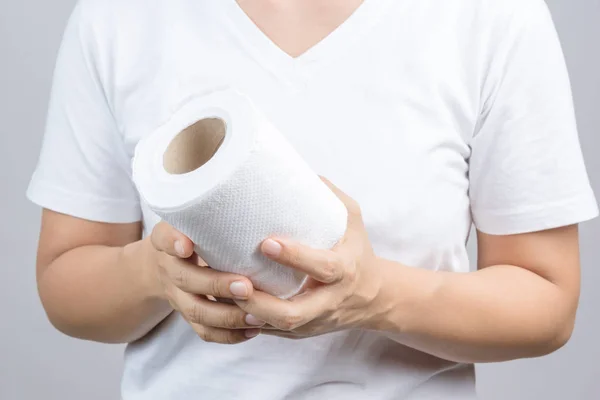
(495, 314)
(102, 293)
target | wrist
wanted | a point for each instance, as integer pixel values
(407, 295)
(142, 259)
(382, 303)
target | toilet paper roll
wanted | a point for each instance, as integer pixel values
(220, 173)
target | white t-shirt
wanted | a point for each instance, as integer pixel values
(431, 114)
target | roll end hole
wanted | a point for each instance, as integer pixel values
(194, 146)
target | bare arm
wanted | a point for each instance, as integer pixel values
(520, 303)
(100, 282)
(93, 279)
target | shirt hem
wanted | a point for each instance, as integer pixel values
(81, 205)
(538, 218)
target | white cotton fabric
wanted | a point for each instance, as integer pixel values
(431, 114)
(253, 187)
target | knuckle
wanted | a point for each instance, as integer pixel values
(231, 338)
(216, 288)
(233, 320)
(331, 268)
(219, 336)
(209, 336)
(194, 313)
(200, 331)
(181, 277)
(290, 321)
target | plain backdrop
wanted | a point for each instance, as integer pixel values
(38, 362)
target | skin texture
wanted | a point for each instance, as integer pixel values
(101, 282)
(520, 303)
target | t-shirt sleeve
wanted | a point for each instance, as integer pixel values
(83, 169)
(526, 168)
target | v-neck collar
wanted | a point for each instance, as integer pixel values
(297, 70)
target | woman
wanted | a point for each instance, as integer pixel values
(427, 115)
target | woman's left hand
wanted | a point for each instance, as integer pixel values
(343, 283)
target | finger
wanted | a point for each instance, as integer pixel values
(323, 265)
(289, 335)
(224, 336)
(291, 314)
(282, 334)
(267, 327)
(206, 281)
(199, 310)
(169, 240)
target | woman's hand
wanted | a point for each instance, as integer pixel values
(341, 290)
(190, 286)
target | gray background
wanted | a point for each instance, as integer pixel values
(38, 362)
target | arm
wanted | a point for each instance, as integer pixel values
(100, 282)
(94, 281)
(520, 303)
(526, 174)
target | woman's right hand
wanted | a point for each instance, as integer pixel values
(184, 280)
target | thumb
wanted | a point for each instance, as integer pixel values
(167, 239)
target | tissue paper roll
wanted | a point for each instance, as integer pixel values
(220, 173)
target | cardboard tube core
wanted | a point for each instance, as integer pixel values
(194, 146)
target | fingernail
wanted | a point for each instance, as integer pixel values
(239, 289)
(250, 333)
(252, 320)
(179, 248)
(271, 248)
